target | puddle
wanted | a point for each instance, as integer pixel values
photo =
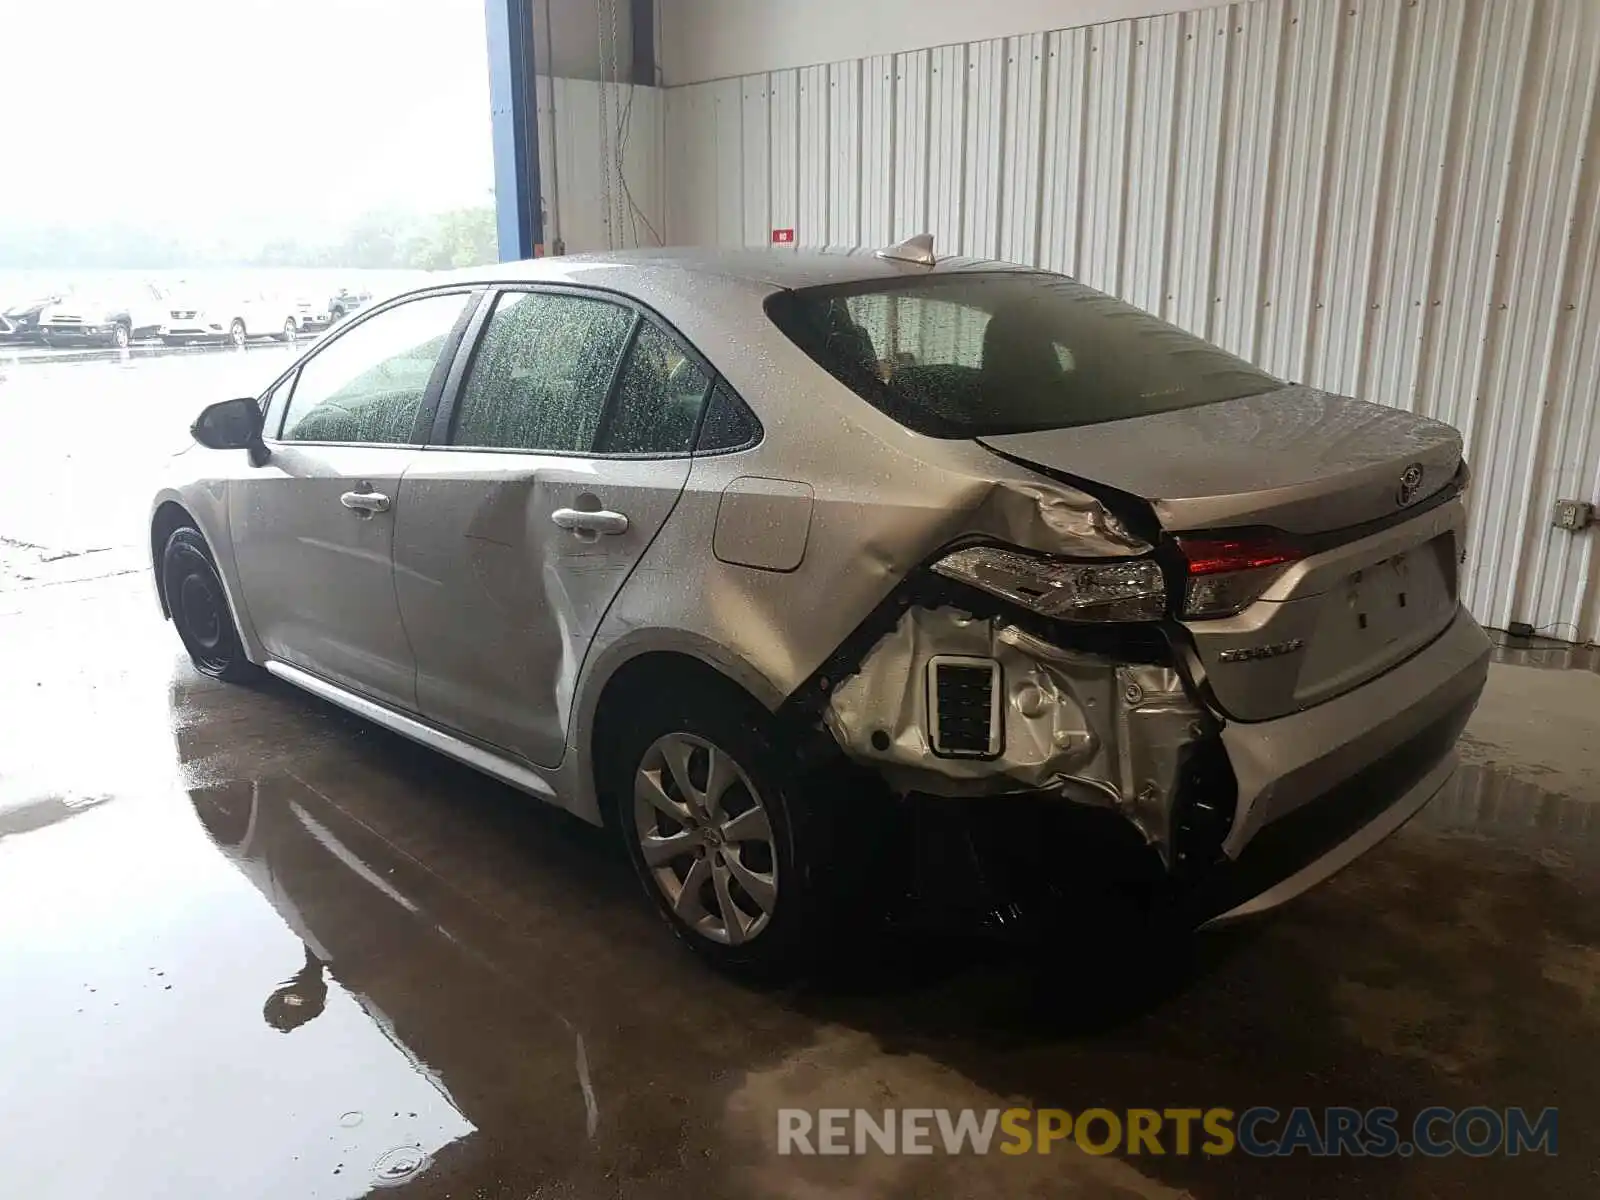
(1560, 831)
(398, 1165)
(305, 956)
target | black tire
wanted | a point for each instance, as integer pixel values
(199, 608)
(806, 908)
(121, 336)
(237, 334)
(291, 331)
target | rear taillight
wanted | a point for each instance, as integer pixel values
(1125, 589)
(1227, 574)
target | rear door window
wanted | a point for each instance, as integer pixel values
(729, 424)
(658, 401)
(986, 353)
(541, 374)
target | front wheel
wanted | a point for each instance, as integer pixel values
(705, 799)
(236, 333)
(121, 335)
(291, 331)
(199, 608)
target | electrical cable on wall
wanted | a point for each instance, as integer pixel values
(617, 200)
(558, 244)
(605, 129)
(624, 129)
(622, 179)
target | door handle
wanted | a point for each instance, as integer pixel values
(365, 502)
(576, 520)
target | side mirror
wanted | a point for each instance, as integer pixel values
(231, 425)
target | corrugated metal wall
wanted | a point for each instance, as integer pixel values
(1399, 198)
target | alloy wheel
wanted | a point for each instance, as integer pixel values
(706, 838)
(120, 336)
(236, 333)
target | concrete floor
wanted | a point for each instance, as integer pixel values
(253, 947)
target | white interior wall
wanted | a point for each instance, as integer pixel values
(571, 162)
(1397, 198)
(716, 39)
(567, 38)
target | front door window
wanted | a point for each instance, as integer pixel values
(367, 385)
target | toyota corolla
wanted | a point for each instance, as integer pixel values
(850, 585)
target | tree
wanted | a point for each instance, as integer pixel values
(463, 237)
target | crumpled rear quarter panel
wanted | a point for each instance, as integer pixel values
(884, 500)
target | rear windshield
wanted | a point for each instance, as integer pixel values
(987, 353)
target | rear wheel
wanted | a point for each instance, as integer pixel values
(121, 335)
(236, 332)
(199, 608)
(291, 331)
(704, 798)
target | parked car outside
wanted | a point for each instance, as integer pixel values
(235, 319)
(346, 301)
(112, 317)
(312, 315)
(19, 324)
(850, 585)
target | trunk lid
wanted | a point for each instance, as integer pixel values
(1373, 588)
(1296, 459)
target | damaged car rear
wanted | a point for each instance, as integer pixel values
(1254, 655)
(851, 585)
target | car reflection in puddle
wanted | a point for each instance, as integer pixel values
(407, 1113)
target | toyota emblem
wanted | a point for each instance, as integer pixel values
(1410, 484)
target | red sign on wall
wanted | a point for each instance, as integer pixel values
(782, 237)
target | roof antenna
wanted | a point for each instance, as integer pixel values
(916, 249)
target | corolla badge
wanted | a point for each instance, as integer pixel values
(1257, 653)
(1410, 484)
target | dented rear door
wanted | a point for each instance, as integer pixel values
(500, 599)
(564, 452)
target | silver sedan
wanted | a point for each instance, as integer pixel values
(850, 585)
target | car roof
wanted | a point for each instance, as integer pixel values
(713, 298)
(777, 269)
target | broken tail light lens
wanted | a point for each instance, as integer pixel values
(1228, 574)
(1122, 589)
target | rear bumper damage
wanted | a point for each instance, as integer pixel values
(1082, 726)
(1096, 771)
(1318, 789)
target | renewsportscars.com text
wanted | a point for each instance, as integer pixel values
(1260, 1132)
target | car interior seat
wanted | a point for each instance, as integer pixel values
(1020, 373)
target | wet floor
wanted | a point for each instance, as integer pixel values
(85, 433)
(254, 947)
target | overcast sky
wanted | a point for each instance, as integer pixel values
(260, 113)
